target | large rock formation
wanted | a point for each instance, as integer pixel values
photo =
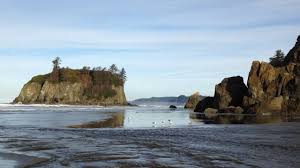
(275, 89)
(270, 91)
(83, 87)
(229, 92)
(193, 101)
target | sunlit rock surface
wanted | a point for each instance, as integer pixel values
(193, 101)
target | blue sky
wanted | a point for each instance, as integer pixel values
(168, 47)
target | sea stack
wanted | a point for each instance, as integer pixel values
(70, 86)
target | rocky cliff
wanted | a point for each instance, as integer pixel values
(270, 91)
(84, 87)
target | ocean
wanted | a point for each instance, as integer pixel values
(143, 136)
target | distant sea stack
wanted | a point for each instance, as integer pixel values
(273, 89)
(76, 86)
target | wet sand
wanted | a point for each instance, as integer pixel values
(265, 145)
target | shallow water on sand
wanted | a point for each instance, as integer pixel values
(80, 136)
(59, 116)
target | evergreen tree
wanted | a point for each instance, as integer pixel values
(56, 67)
(277, 59)
(113, 69)
(99, 68)
(56, 63)
(123, 75)
(86, 68)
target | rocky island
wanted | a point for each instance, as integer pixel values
(99, 86)
(272, 91)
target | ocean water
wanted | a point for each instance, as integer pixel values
(144, 136)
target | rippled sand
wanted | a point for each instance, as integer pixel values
(272, 145)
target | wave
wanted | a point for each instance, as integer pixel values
(33, 105)
(56, 107)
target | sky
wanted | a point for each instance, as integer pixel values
(168, 47)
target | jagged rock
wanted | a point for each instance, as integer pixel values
(230, 92)
(261, 80)
(270, 91)
(293, 55)
(275, 90)
(204, 104)
(193, 101)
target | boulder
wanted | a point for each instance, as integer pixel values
(204, 104)
(230, 92)
(173, 107)
(193, 101)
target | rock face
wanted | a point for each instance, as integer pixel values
(204, 104)
(230, 92)
(193, 101)
(270, 91)
(294, 54)
(87, 90)
(275, 89)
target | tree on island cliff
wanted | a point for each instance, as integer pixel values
(56, 63)
(278, 58)
(99, 68)
(123, 75)
(55, 73)
(113, 69)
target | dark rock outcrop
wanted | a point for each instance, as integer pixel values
(230, 92)
(173, 107)
(204, 104)
(293, 55)
(193, 101)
